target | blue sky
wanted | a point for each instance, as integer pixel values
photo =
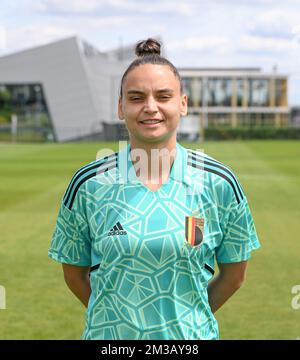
(203, 33)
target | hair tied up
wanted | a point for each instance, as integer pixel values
(147, 47)
(148, 52)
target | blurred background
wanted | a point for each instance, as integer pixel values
(61, 63)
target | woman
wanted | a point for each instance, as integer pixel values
(139, 231)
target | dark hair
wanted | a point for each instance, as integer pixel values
(148, 52)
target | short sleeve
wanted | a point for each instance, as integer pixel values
(239, 235)
(71, 241)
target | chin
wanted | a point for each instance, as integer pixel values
(156, 139)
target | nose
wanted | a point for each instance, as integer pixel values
(150, 105)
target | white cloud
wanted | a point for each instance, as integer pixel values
(218, 33)
(274, 23)
(296, 33)
(84, 7)
(74, 6)
(2, 37)
(222, 45)
(201, 43)
(34, 35)
(27, 36)
(264, 44)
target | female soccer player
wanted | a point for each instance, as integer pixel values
(138, 232)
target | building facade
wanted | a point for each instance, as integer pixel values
(295, 116)
(234, 98)
(68, 90)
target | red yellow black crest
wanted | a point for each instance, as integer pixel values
(194, 230)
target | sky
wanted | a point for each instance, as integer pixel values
(194, 33)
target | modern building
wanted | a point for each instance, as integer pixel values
(295, 116)
(74, 85)
(68, 90)
(235, 97)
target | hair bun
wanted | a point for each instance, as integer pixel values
(147, 47)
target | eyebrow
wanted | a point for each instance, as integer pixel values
(135, 91)
(166, 91)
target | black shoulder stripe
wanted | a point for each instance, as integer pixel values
(220, 166)
(194, 153)
(95, 267)
(88, 166)
(84, 179)
(81, 172)
(217, 173)
(210, 269)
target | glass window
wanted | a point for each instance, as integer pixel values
(219, 92)
(27, 101)
(219, 120)
(259, 92)
(192, 87)
(186, 83)
(280, 92)
(196, 89)
(241, 92)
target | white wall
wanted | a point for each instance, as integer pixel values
(59, 68)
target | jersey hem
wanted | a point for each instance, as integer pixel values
(247, 256)
(61, 259)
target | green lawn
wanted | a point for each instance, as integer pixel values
(39, 305)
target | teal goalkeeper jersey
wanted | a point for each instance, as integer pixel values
(152, 254)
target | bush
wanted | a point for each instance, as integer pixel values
(251, 133)
(3, 119)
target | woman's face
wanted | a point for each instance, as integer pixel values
(152, 104)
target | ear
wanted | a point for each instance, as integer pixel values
(184, 102)
(120, 109)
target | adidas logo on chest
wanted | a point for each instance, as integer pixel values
(117, 230)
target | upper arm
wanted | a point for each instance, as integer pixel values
(234, 273)
(239, 233)
(71, 240)
(75, 271)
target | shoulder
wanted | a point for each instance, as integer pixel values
(217, 175)
(86, 173)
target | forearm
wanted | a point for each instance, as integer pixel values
(220, 290)
(80, 287)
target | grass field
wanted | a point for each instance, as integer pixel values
(39, 305)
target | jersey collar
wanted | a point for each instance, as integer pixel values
(178, 171)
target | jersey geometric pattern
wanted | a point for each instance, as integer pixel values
(148, 282)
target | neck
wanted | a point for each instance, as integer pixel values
(155, 168)
(169, 145)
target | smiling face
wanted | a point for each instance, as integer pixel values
(152, 104)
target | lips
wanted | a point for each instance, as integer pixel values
(151, 121)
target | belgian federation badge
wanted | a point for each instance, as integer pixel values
(194, 230)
